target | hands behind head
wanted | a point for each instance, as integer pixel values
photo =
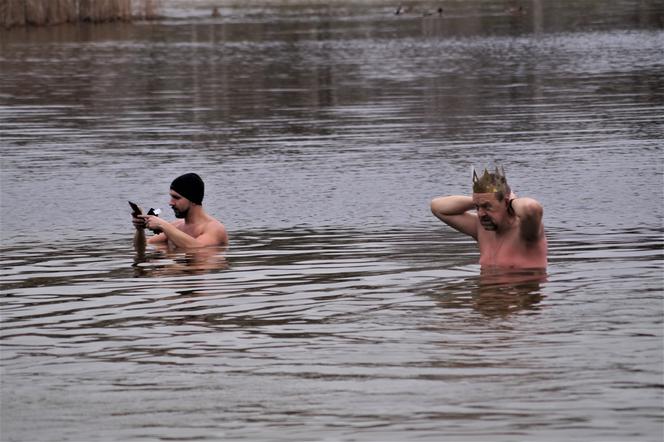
(508, 200)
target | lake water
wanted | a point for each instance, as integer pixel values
(342, 310)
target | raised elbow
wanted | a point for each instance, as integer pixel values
(438, 205)
(533, 210)
(433, 205)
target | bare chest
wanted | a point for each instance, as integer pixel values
(193, 230)
(511, 251)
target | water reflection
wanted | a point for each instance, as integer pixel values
(337, 320)
(502, 293)
(164, 261)
(347, 312)
(495, 292)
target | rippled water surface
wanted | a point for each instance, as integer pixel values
(342, 310)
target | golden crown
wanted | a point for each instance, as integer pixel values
(490, 182)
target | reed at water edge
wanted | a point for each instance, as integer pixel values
(53, 12)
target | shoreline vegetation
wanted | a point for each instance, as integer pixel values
(39, 13)
(17, 13)
(43, 13)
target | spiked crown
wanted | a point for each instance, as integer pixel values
(491, 182)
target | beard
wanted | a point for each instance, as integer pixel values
(180, 213)
(488, 223)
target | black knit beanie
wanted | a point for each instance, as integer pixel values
(189, 186)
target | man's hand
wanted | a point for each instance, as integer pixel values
(512, 196)
(138, 221)
(153, 223)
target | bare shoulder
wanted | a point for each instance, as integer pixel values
(217, 229)
(214, 224)
(530, 207)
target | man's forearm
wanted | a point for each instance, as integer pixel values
(178, 237)
(139, 239)
(452, 205)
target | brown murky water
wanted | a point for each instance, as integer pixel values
(342, 310)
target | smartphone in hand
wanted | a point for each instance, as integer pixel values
(136, 211)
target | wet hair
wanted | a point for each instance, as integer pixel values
(492, 183)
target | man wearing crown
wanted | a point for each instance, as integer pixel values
(508, 230)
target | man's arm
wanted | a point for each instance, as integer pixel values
(178, 237)
(139, 237)
(159, 238)
(530, 213)
(454, 211)
(213, 235)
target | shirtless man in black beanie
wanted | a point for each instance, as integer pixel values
(193, 228)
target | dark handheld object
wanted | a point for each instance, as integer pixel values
(136, 211)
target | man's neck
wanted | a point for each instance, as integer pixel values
(194, 215)
(507, 226)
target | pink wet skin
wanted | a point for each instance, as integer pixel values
(510, 239)
(193, 227)
(509, 232)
